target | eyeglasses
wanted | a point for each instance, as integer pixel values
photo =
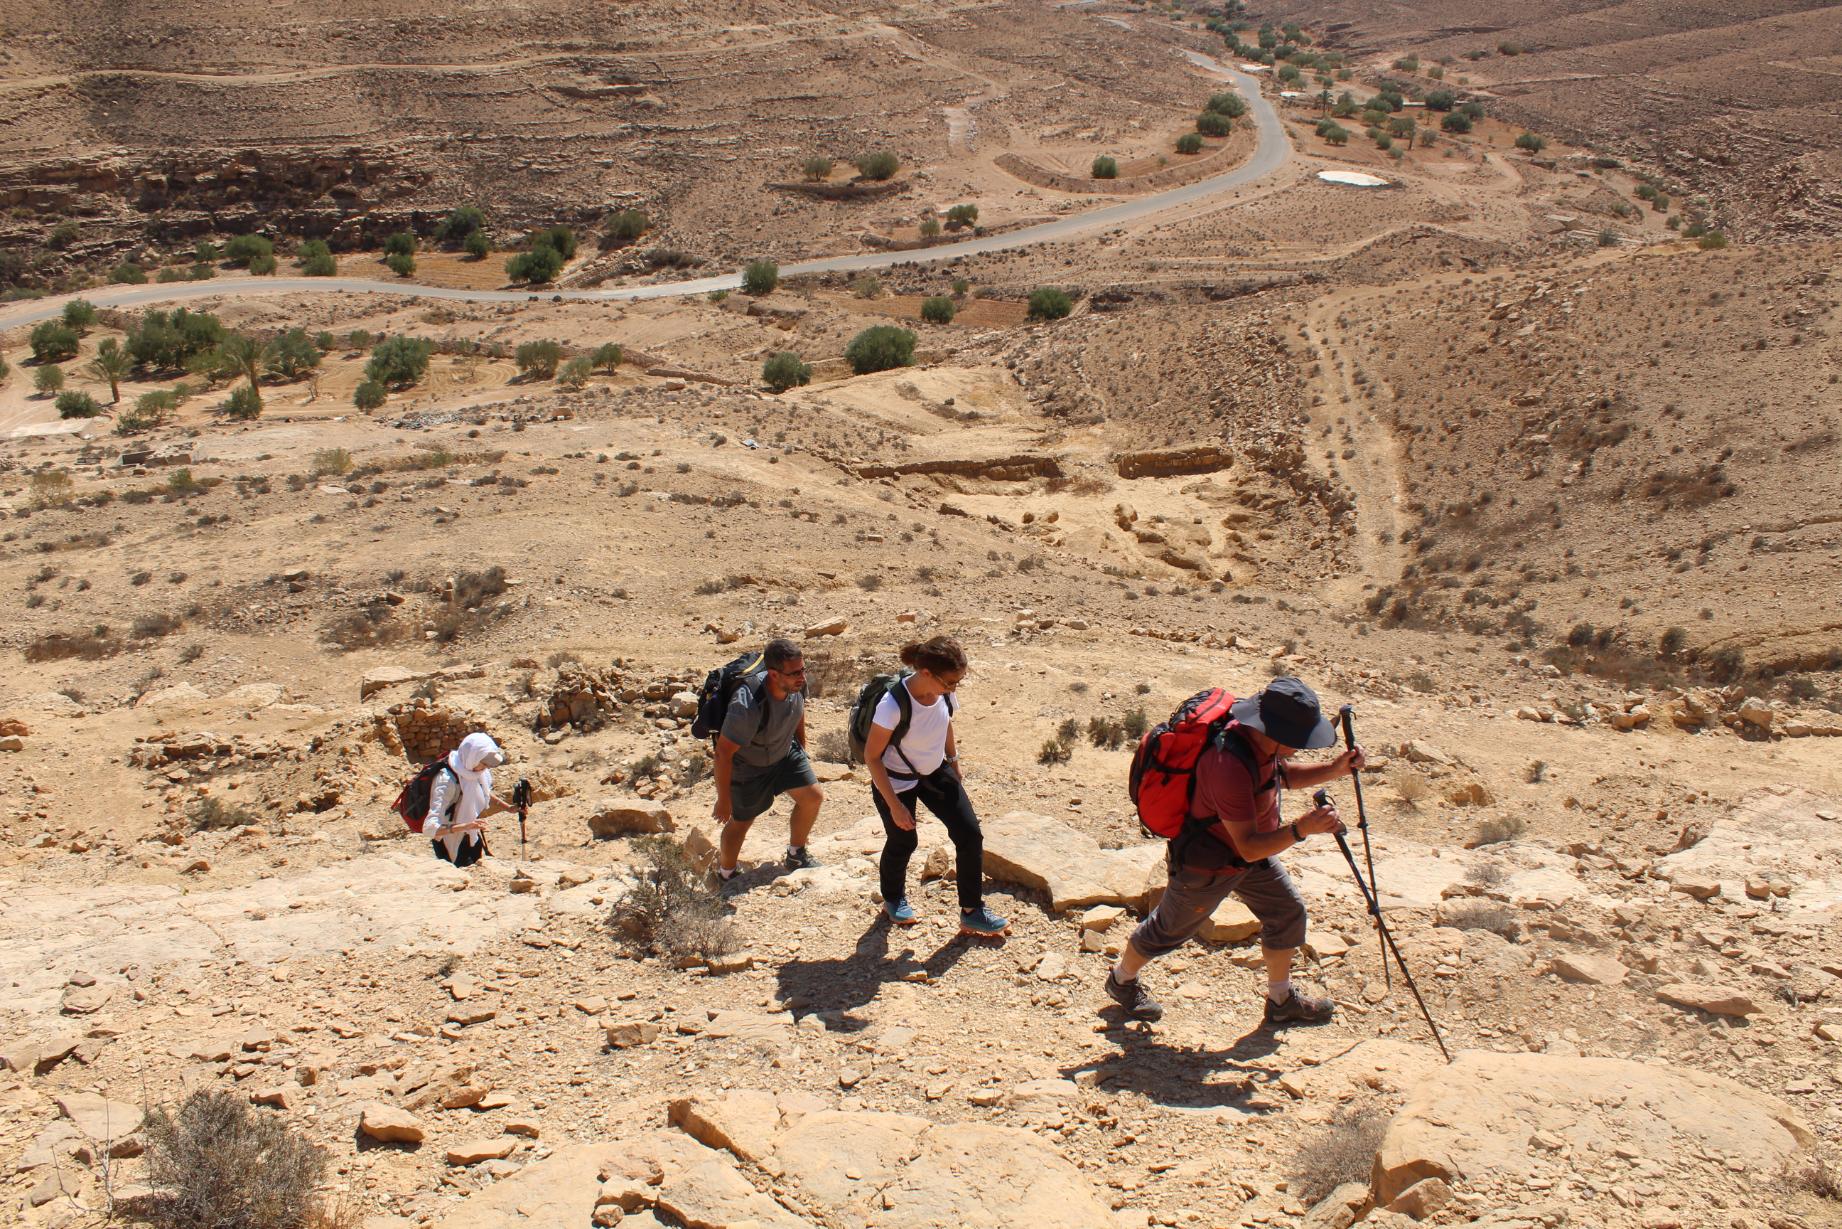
(792, 674)
(950, 682)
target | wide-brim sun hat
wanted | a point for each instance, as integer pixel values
(1288, 712)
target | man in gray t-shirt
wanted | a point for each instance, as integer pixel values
(761, 754)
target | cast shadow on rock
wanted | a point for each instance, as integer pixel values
(833, 989)
(1177, 1076)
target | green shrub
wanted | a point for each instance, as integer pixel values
(262, 266)
(962, 216)
(291, 355)
(76, 404)
(476, 245)
(930, 228)
(624, 226)
(607, 357)
(575, 372)
(784, 371)
(245, 249)
(867, 286)
(201, 272)
(460, 224)
(1472, 110)
(816, 169)
(541, 264)
(368, 395)
(538, 360)
(1455, 121)
(1530, 142)
(53, 341)
(1441, 100)
(166, 341)
(402, 243)
(1049, 303)
(1214, 124)
(960, 287)
(401, 263)
(316, 259)
(399, 362)
(243, 404)
(760, 277)
(880, 348)
(562, 238)
(1104, 168)
(5, 368)
(878, 166)
(1713, 241)
(938, 309)
(205, 252)
(1230, 104)
(80, 314)
(63, 235)
(1189, 143)
(128, 274)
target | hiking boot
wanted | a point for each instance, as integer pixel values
(726, 885)
(1134, 998)
(1299, 1009)
(900, 912)
(798, 859)
(982, 923)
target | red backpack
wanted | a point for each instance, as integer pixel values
(413, 803)
(1163, 779)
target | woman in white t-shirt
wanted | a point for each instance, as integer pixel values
(917, 760)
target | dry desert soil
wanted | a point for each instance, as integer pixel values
(1532, 455)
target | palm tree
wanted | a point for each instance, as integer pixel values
(112, 365)
(245, 355)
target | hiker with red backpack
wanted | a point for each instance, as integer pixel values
(461, 799)
(1209, 780)
(913, 758)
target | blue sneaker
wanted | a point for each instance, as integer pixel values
(982, 923)
(900, 912)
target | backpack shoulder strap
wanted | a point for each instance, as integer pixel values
(905, 713)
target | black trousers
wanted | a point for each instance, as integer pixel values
(472, 849)
(944, 795)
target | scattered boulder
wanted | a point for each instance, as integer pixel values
(1590, 970)
(1716, 1000)
(389, 1125)
(99, 1118)
(1231, 922)
(614, 817)
(830, 627)
(1070, 866)
(1475, 1118)
(626, 1034)
(473, 1151)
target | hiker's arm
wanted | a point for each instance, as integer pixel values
(1254, 846)
(799, 734)
(873, 747)
(1305, 776)
(952, 748)
(726, 749)
(496, 806)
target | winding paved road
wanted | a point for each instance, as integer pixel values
(1271, 152)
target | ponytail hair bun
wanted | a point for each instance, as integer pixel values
(936, 655)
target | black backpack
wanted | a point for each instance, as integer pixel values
(413, 802)
(714, 696)
(864, 710)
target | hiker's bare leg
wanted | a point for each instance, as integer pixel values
(1278, 965)
(731, 844)
(1130, 962)
(806, 800)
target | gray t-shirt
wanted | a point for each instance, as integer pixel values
(760, 725)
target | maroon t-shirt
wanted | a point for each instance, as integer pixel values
(1225, 790)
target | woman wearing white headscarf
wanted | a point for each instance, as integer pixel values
(460, 799)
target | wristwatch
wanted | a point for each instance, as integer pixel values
(1297, 836)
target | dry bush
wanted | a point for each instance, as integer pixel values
(672, 911)
(1497, 919)
(370, 626)
(1054, 752)
(216, 1164)
(1814, 1175)
(474, 588)
(214, 814)
(1496, 831)
(1410, 786)
(835, 747)
(93, 645)
(829, 672)
(153, 626)
(1344, 1152)
(1106, 732)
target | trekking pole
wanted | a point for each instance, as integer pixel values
(1388, 942)
(521, 798)
(1347, 715)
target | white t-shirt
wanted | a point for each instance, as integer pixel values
(925, 740)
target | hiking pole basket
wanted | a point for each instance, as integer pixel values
(521, 798)
(1347, 716)
(1388, 943)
